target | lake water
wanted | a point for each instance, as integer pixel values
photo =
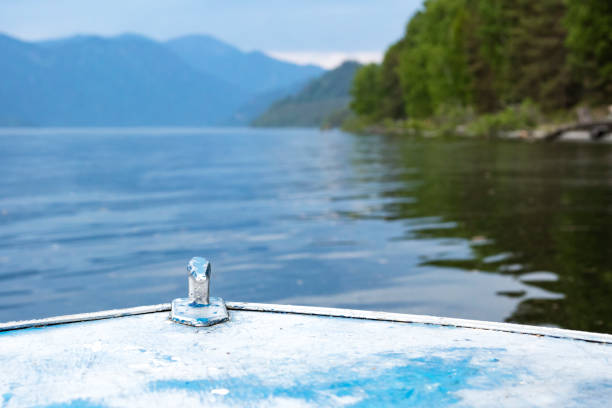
(93, 219)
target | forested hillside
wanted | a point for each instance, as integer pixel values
(322, 102)
(486, 56)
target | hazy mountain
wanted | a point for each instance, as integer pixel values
(124, 80)
(251, 71)
(323, 99)
(22, 71)
(260, 102)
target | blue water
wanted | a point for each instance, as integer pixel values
(93, 219)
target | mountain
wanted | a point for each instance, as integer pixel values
(323, 101)
(250, 71)
(260, 102)
(124, 80)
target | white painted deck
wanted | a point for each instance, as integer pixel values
(312, 357)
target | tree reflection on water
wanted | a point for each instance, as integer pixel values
(539, 212)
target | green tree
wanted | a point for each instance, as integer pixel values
(433, 69)
(413, 71)
(537, 54)
(485, 31)
(489, 56)
(392, 103)
(366, 92)
(589, 24)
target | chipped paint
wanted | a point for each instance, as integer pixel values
(271, 359)
(186, 311)
(418, 382)
(325, 311)
(81, 317)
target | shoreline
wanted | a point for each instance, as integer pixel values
(597, 132)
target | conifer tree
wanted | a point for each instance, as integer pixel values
(589, 40)
(538, 68)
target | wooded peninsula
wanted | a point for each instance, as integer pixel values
(490, 65)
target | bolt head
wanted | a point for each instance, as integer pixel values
(199, 268)
(185, 311)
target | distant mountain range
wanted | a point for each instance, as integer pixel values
(252, 71)
(322, 102)
(133, 80)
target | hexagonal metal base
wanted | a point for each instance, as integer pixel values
(186, 312)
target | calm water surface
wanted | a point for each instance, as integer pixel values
(94, 219)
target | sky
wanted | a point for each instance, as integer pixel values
(324, 32)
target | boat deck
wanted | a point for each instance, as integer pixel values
(270, 355)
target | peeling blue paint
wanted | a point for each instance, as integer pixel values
(267, 359)
(186, 312)
(8, 333)
(77, 403)
(428, 381)
(602, 389)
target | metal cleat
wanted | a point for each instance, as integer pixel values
(199, 309)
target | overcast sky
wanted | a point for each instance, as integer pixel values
(320, 31)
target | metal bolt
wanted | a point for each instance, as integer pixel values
(199, 280)
(198, 309)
